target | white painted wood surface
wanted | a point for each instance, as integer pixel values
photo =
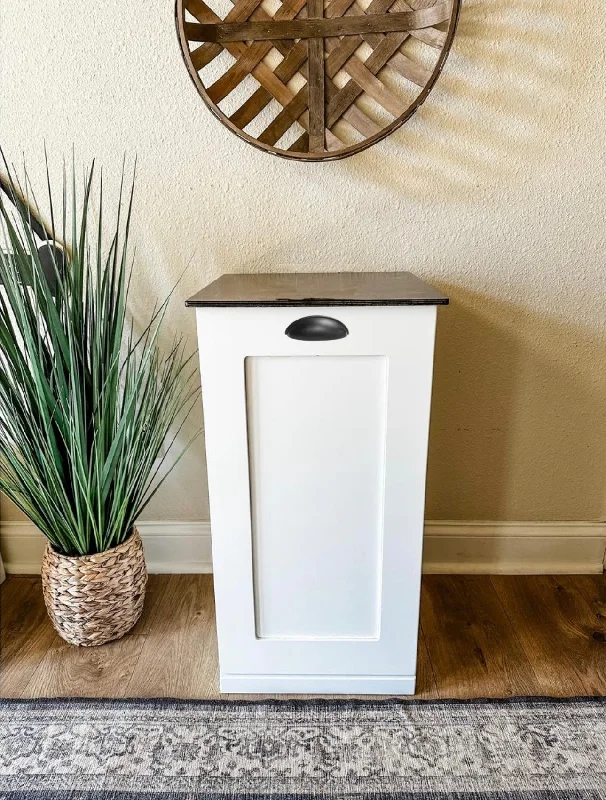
(316, 432)
(270, 593)
(318, 684)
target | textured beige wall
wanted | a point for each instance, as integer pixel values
(494, 192)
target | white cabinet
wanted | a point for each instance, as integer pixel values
(316, 451)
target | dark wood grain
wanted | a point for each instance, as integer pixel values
(315, 80)
(593, 589)
(381, 55)
(12, 598)
(294, 60)
(238, 36)
(203, 55)
(340, 51)
(324, 289)
(254, 54)
(480, 636)
(473, 648)
(427, 687)
(264, 75)
(26, 634)
(68, 671)
(179, 658)
(238, 71)
(291, 112)
(291, 63)
(154, 593)
(316, 28)
(556, 627)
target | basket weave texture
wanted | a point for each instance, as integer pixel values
(94, 599)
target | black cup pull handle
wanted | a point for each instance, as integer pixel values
(316, 329)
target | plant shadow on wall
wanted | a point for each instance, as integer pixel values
(508, 74)
(518, 427)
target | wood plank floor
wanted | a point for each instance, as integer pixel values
(481, 636)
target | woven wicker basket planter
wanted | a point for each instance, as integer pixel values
(94, 599)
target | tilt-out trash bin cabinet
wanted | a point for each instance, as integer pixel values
(316, 391)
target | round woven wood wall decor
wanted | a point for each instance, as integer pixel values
(315, 80)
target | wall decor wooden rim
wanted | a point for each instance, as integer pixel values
(316, 39)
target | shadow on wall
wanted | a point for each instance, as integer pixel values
(518, 426)
(508, 75)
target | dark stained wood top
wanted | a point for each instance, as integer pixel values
(319, 289)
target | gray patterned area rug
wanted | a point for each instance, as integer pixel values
(529, 749)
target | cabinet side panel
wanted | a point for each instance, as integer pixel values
(316, 434)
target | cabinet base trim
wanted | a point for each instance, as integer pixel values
(318, 684)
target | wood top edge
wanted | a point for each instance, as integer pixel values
(193, 303)
(317, 289)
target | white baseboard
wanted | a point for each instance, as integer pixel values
(514, 548)
(170, 547)
(450, 547)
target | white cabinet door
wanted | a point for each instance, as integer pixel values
(316, 457)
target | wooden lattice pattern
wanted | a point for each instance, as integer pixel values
(339, 72)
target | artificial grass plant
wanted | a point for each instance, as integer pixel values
(87, 403)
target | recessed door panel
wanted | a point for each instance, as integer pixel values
(316, 437)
